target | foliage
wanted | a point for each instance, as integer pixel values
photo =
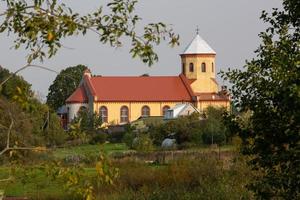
(77, 183)
(75, 132)
(190, 130)
(90, 122)
(200, 178)
(16, 89)
(54, 133)
(41, 25)
(86, 126)
(22, 128)
(64, 85)
(142, 143)
(268, 87)
(128, 138)
(182, 129)
(214, 130)
(98, 138)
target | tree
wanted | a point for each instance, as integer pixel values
(40, 26)
(16, 89)
(64, 85)
(213, 128)
(269, 87)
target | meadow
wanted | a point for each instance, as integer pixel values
(198, 177)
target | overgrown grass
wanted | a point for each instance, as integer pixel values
(203, 178)
(88, 149)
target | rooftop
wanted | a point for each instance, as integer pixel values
(198, 46)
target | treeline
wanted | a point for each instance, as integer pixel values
(29, 122)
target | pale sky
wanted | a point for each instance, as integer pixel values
(230, 27)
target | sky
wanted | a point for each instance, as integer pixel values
(230, 27)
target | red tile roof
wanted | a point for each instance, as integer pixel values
(134, 89)
(159, 88)
(79, 96)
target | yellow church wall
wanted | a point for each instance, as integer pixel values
(135, 109)
(197, 60)
(203, 80)
(204, 85)
(202, 105)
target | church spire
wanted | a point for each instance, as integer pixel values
(198, 46)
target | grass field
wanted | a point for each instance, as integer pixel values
(92, 150)
(36, 184)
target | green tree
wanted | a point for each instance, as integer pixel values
(40, 26)
(183, 129)
(16, 89)
(64, 85)
(269, 87)
(213, 128)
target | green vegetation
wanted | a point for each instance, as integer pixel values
(266, 95)
(40, 26)
(193, 130)
(87, 149)
(64, 85)
(268, 88)
(202, 178)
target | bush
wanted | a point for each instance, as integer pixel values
(98, 138)
(116, 137)
(142, 143)
(213, 138)
(202, 178)
(54, 134)
(128, 139)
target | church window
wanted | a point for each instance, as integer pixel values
(165, 109)
(124, 114)
(203, 67)
(191, 67)
(145, 111)
(212, 67)
(103, 114)
(183, 68)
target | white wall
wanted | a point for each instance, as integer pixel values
(73, 108)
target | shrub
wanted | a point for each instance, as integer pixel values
(98, 138)
(142, 143)
(116, 137)
(128, 138)
(54, 133)
(213, 138)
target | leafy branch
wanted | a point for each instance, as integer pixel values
(41, 25)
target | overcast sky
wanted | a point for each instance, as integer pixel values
(230, 27)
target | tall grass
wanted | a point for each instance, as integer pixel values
(202, 178)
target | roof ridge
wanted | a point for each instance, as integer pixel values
(187, 85)
(198, 46)
(174, 76)
(90, 86)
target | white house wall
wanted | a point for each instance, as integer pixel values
(73, 109)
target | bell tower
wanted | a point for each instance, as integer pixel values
(198, 65)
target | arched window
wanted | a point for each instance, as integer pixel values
(203, 67)
(103, 114)
(191, 67)
(212, 67)
(183, 68)
(165, 109)
(124, 114)
(145, 111)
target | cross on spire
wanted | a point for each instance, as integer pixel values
(197, 30)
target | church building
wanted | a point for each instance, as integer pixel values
(123, 99)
